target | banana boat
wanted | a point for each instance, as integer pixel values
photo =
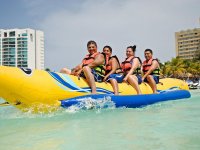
(41, 90)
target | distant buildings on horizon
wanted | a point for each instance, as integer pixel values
(188, 43)
(22, 48)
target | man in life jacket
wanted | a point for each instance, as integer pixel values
(132, 69)
(112, 67)
(150, 69)
(91, 67)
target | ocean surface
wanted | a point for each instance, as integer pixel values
(171, 125)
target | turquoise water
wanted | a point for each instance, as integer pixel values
(172, 125)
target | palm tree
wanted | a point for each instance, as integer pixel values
(180, 68)
(177, 67)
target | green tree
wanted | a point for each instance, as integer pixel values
(180, 68)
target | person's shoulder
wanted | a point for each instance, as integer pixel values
(100, 55)
(137, 59)
(155, 60)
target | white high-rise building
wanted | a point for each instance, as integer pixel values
(22, 48)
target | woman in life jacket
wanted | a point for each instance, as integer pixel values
(150, 69)
(112, 67)
(132, 69)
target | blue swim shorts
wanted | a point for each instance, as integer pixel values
(118, 77)
(97, 77)
(139, 77)
(156, 79)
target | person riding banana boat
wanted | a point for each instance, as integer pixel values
(91, 67)
(151, 70)
(112, 68)
(132, 69)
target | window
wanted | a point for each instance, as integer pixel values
(31, 36)
(24, 34)
(12, 33)
(5, 34)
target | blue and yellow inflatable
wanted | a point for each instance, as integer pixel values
(26, 88)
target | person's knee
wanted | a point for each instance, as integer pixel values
(132, 78)
(62, 70)
(135, 78)
(149, 78)
(113, 81)
(65, 70)
(86, 69)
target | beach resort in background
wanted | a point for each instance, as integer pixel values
(26, 48)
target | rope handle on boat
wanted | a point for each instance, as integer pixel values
(9, 104)
(4, 104)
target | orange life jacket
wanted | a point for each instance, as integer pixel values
(146, 65)
(127, 64)
(89, 59)
(109, 66)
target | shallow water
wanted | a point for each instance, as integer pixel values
(168, 125)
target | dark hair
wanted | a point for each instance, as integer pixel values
(148, 50)
(108, 48)
(91, 42)
(132, 47)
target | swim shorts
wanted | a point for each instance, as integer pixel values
(97, 77)
(156, 79)
(118, 77)
(139, 77)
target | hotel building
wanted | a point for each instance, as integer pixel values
(22, 48)
(188, 43)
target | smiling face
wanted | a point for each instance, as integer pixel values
(147, 55)
(107, 51)
(92, 48)
(129, 52)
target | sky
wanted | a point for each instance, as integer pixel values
(69, 24)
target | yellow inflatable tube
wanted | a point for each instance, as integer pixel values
(38, 89)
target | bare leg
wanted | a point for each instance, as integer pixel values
(65, 70)
(133, 81)
(152, 83)
(114, 86)
(90, 78)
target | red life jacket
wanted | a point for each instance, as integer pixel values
(109, 66)
(146, 65)
(127, 64)
(89, 59)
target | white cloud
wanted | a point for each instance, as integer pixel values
(148, 24)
